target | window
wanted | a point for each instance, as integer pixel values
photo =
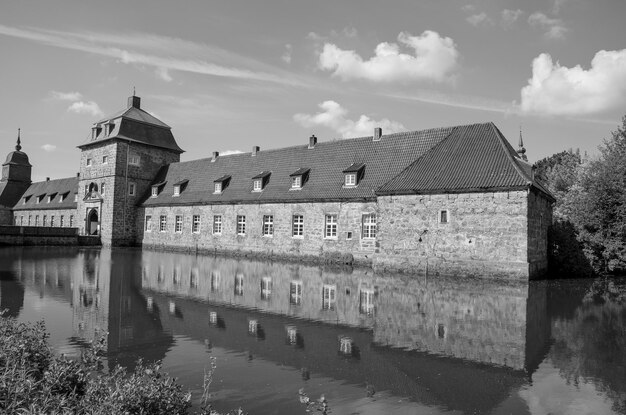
(15, 222)
(45, 220)
(239, 284)
(330, 229)
(40, 198)
(296, 182)
(62, 221)
(177, 190)
(298, 225)
(366, 301)
(88, 162)
(369, 226)
(176, 275)
(163, 223)
(50, 198)
(131, 189)
(217, 225)
(36, 220)
(444, 216)
(268, 225)
(258, 185)
(105, 159)
(22, 220)
(134, 159)
(71, 221)
(75, 197)
(62, 197)
(178, 224)
(195, 224)
(266, 288)
(29, 219)
(52, 220)
(155, 191)
(218, 187)
(260, 181)
(102, 188)
(350, 179)
(295, 293)
(329, 297)
(148, 223)
(86, 188)
(241, 225)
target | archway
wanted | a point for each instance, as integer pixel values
(92, 222)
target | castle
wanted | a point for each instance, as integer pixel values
(457, 200)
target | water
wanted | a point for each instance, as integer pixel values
(372, 344)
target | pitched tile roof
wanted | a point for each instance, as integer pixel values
(472, 158)
(56, 188)
(383, 160)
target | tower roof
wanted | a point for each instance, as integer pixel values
(135, 125)
(17, 157)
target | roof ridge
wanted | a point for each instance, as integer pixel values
(507, 151)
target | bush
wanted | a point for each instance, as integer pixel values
(34, 380)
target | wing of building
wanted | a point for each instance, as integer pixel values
(453, 200)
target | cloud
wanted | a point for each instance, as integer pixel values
(555, 29)
(48, 147)
(480, 19)
(468, 8)
(66, 96)
(435, 59)
(163, 74)
(333, 116)
(556, 7)
(558, 90)
(159, 52)
(510, 16)
(82, 107)
(229, 152)
(286, 57)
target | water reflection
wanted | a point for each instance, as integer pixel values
(455, 345)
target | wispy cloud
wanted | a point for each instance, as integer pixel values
(66, 96)
(48, 147)
(164, 53)
(554, 28)
(434, 59)
(229, 152)
(85, 107)
(479, 19)
(459, 101)
(333, 116)
(286, 56)
(509, 17)
(558, 90)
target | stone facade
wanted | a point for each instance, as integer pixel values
(54, 218)
(348, 244)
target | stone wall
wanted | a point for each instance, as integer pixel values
(118, 211)
(69, 217)
(6, 216)
(40, 236)
(539, 221)
(312, 244)
(486, 234)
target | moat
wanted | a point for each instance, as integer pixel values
(371, 343)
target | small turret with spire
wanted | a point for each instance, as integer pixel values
(521, 150)
(18, 147)
(17, 168)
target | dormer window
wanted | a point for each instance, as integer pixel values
(50, 197)
(353, 174)
(27, 198)
(63, 197)
(156, 188)
(299, 178)
(180, 186)
(109, 127)
(260, 181)
(221, 184)
(95, 131)
(40, 198)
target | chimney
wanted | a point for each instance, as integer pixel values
(378, 133)
(216, 154)
(134, 102)
(312, 141)
(47, 179)
(78, 174)
(255, 149)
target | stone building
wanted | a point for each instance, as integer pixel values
(456, 200)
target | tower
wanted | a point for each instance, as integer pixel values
(16, 178)
(521, 150)
(117, 164)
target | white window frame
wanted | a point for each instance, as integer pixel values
(71, 221)
(366, 301)
(36, 220)
(177, 190)
(368, 226)
(266, 288)
(239, 284)
(216, 278)
(297, 226)
(44, 220)
(350, 179)
(217, 188)
(134, 159)
(132, 189)
(178, 224)
(257, 185)
(61, 221)
(296, 182)
(268, 226)
(295, 292)
(155, 191)
(241, 225)
(329, 296)
(195, 223)
(163, 223)
(148, 223)
(51, 220)
(217, 224)
(330, 226)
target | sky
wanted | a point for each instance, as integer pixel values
(229, 75)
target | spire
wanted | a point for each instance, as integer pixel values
(18, 147)
(521, 150)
